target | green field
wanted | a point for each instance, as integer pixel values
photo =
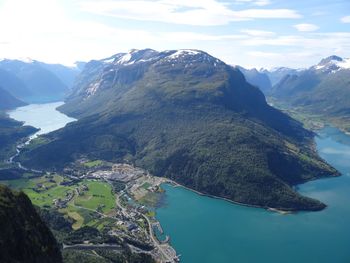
(93, 163)
(41, 196)
(43, 190)
(99, 195)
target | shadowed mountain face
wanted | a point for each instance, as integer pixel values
(24, 237)
(188, 116)
(257, 79)
(7, 101)
(323, 89)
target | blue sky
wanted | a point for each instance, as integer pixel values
(251, 33)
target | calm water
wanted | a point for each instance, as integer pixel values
(43, 116)
(204, 230)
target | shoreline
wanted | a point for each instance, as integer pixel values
(270, 209)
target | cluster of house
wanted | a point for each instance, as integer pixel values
(62, 203)
(119, 172)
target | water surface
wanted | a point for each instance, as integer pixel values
(42, 116)
(208, 230)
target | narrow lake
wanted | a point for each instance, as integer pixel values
(42, 116)
(207, 230)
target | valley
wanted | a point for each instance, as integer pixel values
(123, 208)
(157, 131)
(109, 188)
(116, 199)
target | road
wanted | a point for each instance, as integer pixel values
(155, 241)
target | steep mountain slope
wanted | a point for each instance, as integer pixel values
(257, 78)
(66, 74)
(23, 236)
(11, 132)
(323, 89)
(13, 85)
(7, 101)
(188, 116)
(40, 84)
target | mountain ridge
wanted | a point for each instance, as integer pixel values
(322, 90)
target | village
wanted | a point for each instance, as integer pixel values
(136, 196)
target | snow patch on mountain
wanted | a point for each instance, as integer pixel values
(345, 64)
(183, 52)
(332, 64)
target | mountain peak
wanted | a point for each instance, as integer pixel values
(21, 59)
(332, 64)
(329, 59)
(148, 55)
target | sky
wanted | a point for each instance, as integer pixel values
(250, 33)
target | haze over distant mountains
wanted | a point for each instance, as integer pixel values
(36, 82)
(188, 116)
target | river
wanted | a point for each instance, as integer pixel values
(42, 116)
(208, 230)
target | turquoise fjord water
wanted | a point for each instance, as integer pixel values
(42, 116)
(208, 230)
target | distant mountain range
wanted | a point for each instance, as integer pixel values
(323, 90)
(257, 78)
(188, 116)
(34, 81)
(276, 74)
(7, 101)
(265, 79)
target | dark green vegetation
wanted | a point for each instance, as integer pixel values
(190, 117)
(322, 90)
(11, 132)
(34, 81)
(24, 237)
(7, 101)
(105, 256)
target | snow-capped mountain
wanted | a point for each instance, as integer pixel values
(136, 62)
(332, 64)
(323, 89)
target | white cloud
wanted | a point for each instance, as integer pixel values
(262, 2)
(50, 31)
(255, 2)
(345, 19)
(306, 27)
(195, 12)
(192, 36)
(258, 33)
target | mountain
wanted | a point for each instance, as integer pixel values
(257, 78)
(323, 89)
(276, 74)
(7, 101)
(13, 85)
(11, 132)
(24, 237)
(66, 74)
(190, 117)
(32, 81)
